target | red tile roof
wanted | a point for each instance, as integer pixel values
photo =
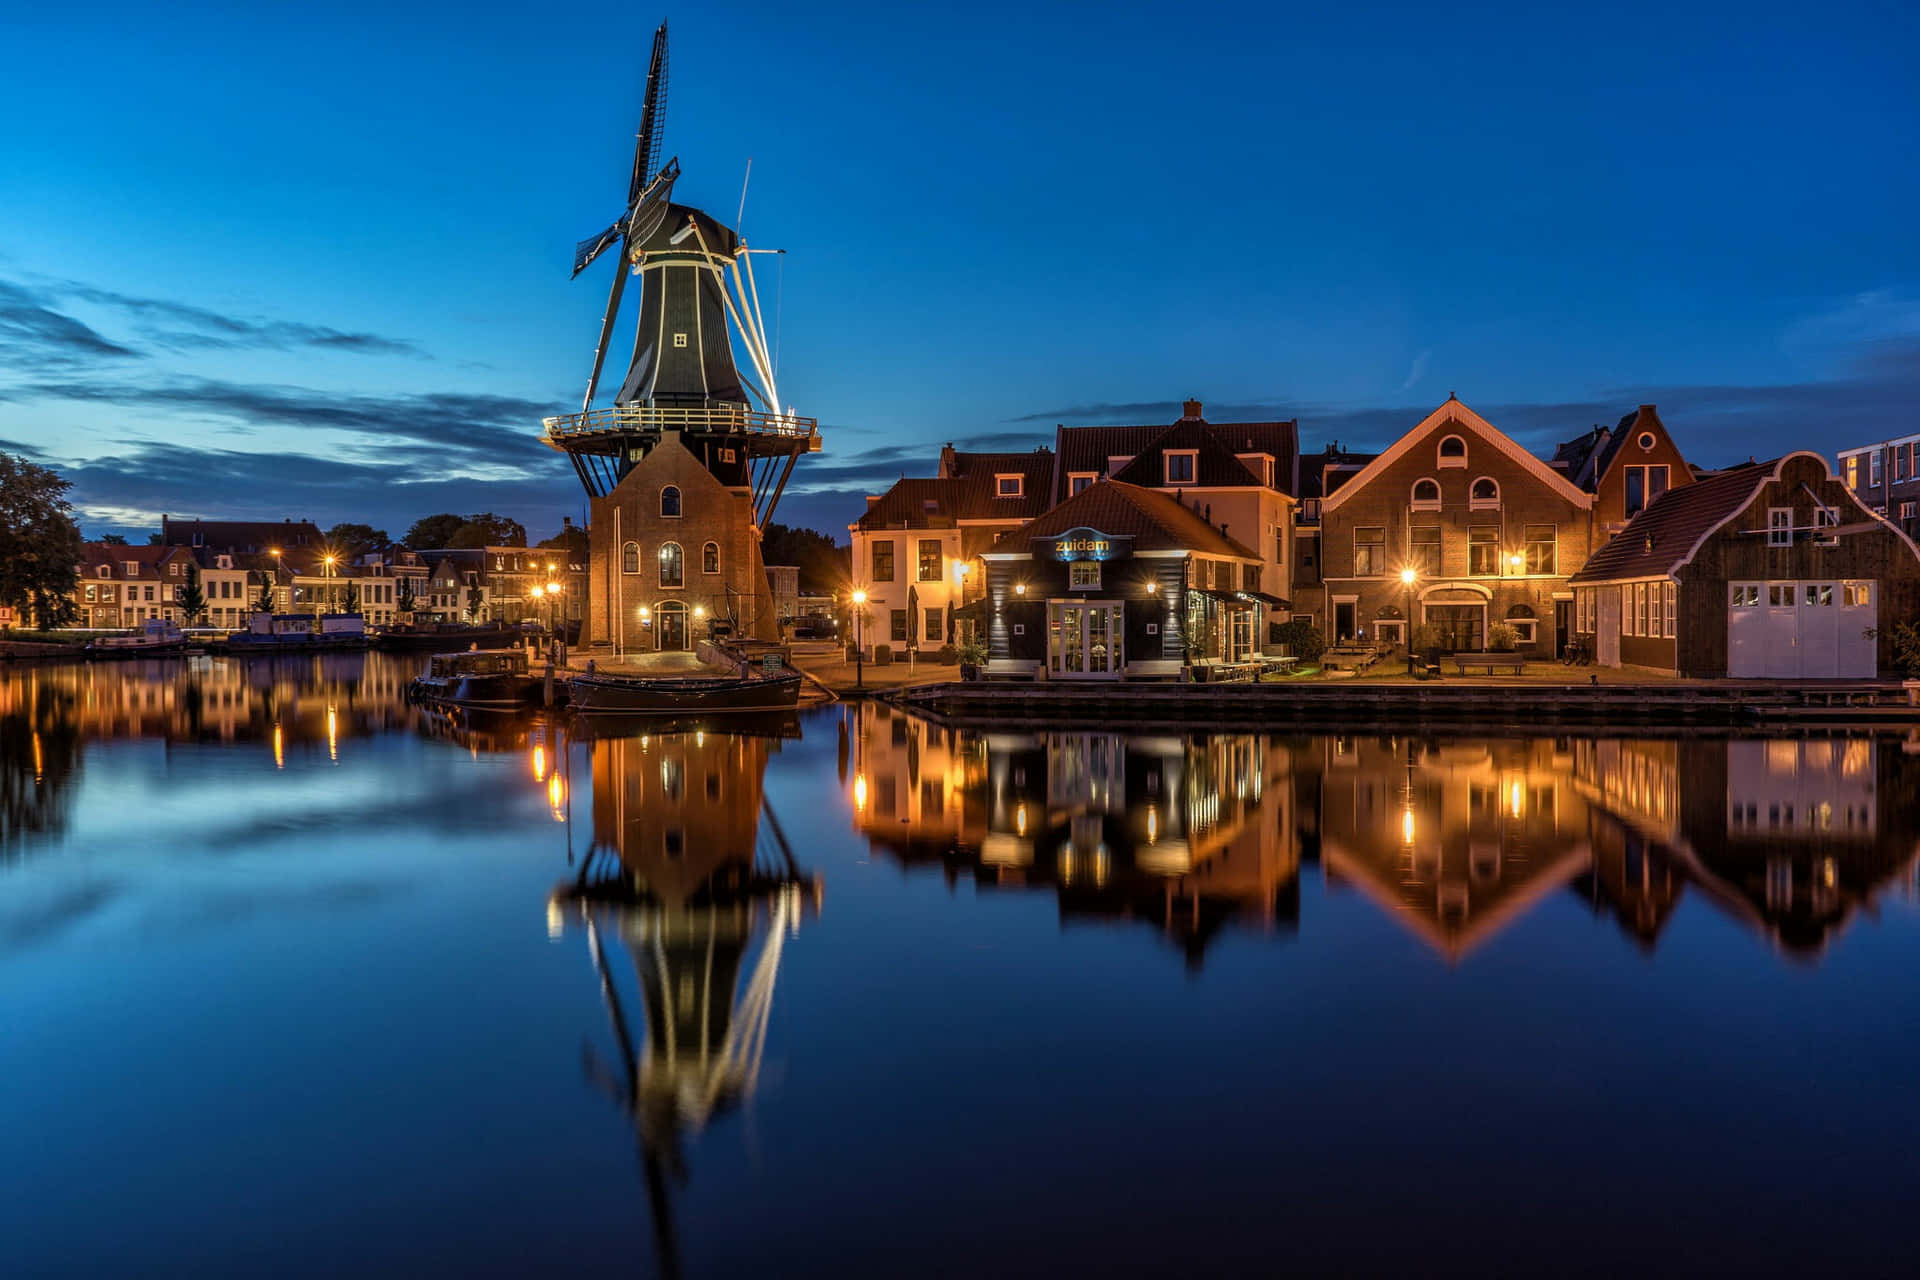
(970, 493)
(1086, 449)
(1659, 539)
(1151, 518)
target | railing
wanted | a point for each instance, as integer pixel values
(637, 417)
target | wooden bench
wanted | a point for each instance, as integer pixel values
(1505, 661)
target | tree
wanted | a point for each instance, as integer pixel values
(193, 601)
(572, 540)
(474, 596)
(264, 603)
(353, 596)
(351, 541)
(153, 540)
(431, 533)
(489, 530)
(40, 546)
(403, 602)
(823, 566)
(115, 539)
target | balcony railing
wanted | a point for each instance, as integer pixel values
(636, 417)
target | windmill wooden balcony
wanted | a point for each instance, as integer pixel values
(768, 433)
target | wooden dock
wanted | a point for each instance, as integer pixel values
(1363, 706)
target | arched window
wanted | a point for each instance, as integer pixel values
(1453, 452)
(710, 558)
(1426, 494)
(630, 558)
(673, 570)
(1485, 493)
(670, 501)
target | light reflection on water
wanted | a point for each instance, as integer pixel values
(295, 978)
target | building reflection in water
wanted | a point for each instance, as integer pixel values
(1453, 838)
(689, 886)
(1188, 832)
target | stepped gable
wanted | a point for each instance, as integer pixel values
(1658, 540)
(1152, 519)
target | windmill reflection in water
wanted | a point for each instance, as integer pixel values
(690, 873)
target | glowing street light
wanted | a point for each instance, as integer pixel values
(859, 638)
(1408, 576)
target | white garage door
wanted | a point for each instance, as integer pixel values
(1810, 630)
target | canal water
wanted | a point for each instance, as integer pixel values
(296, 980)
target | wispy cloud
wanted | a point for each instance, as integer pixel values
(186, 327)
(1418, 371)
(36, 338)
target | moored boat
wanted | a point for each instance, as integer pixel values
(600, 691)
(298, 633)
(480, 680)
(156, 637)
(444, 637)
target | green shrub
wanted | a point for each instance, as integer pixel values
(1906, 648)
(973, 653)
(1425, 636)
(1502, 637)
(1303, 640)
(948, 655)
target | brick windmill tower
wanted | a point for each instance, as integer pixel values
(686, 466)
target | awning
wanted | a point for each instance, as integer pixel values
(1242, 599)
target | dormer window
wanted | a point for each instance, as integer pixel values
(1116, 463)
(1009, 486)
(1453, 452)
(1426, 495)
(1078, 481)
(1181, 464)
(132, 568)
(105, 571)
(1484, 495)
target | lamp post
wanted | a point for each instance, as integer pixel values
(859, 638)
(1408, 576)
(326, 571)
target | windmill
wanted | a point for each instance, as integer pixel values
(697, 290)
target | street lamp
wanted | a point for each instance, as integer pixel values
(1516, 562)
(326, 565)
(1408, 576)
(859, 638)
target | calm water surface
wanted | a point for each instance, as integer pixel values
(295, 981)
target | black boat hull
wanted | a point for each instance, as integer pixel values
(629, 695)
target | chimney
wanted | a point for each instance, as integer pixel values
(566, 522)
(1190, 411)
(946, 461)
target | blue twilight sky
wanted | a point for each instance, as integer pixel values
(266, 260)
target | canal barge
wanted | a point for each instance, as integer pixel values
(444, 637)
(479, 680)
(157, 637)
(597, 691)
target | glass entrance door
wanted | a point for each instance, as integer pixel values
(1083, 640)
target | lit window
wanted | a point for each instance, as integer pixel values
(1542, 541)
(1425, 556)
(1483, 551)
(672, 566)
(931, 568)
(1084, 575)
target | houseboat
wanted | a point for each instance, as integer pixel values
(156, 637)
(299, 633)
(480, 680)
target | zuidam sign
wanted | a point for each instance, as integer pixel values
(1086, 544)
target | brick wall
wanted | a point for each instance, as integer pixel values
(709, 512)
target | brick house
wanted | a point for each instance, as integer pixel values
(1886, 477)
(1490, 531)
(926, 536)
(1624, 467)
(1320, 474)
(1773, 569)
(674, 550)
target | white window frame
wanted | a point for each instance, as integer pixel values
(1441, 459)
(1193, 465)
(1779, 526)
(1000, 489)
(1417, 503)
(1087, 569)
(1876, 469)
(1079, 481)
(1483, 504)
(1526, 630)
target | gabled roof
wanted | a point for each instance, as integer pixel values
(1151, 518)
(148, 560)
(969, 493)
(1664, 536)
(1215, 465)
(1085, 450)
(1576, 456)
(1453, 411)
